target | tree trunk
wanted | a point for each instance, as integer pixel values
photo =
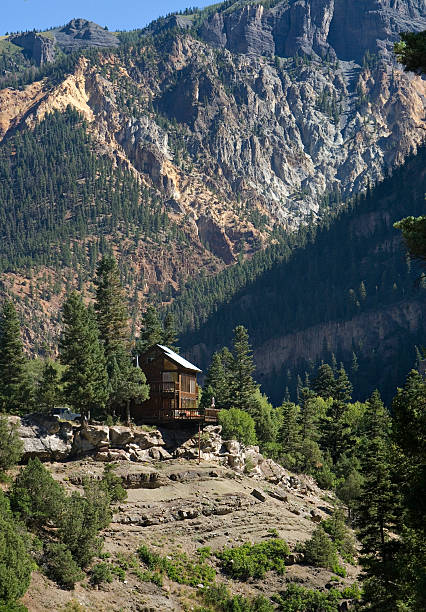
(128, 412)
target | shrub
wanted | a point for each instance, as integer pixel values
(219, 597)
(16, 564)
(111, 483)
(342, 537)
(237, 425)
(11, 445)
(299, 599)
(60, 565)
(36, 496)
(101, 572)
(82, 520)
(320, 550)
(178, 568)
(254, 560)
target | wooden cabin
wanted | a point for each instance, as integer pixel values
(173, 389)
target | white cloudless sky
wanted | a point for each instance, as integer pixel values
(116, 14)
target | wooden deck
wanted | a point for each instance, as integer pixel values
(150, 415)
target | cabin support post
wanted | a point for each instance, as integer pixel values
(199, 442)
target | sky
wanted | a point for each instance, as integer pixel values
(116, 14)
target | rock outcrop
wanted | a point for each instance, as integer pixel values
(51, 439)
(39, 47)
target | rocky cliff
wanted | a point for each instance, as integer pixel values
(242, 119)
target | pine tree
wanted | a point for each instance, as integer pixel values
(409, 434)
(48, 393)
(324, 382)
(110, 307)
(243, 387)
(289, 434)
(336, 435)
(377, 505)
(216, 383)
(170, 336)
(151, 330)
(15, 391)
(85, 378)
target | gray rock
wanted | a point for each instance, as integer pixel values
(39, 47)
(96, 435)
(120, 436)
(260, 495)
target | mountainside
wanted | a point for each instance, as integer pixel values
(230, 124)
(349, 290)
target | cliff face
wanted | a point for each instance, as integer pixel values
(342, 28)
(240, 120)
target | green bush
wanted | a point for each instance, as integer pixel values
(299, 599)
(342, 537)
(16, 564)
(60, 565)
(219, 597)
(11, 445)
(101, 572)
(82, 520)
(320, 551)
(254, 560)
(35, 496)
(179, 568)
(112, 484)
(237, 425)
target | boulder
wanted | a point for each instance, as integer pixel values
(148, 439)
(232, 446)
(236, 462)
(44, 437)
(260, 495)
(97, 435)
(120, 436)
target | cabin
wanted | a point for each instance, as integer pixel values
(173, 395)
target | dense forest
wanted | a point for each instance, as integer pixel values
(353, 263)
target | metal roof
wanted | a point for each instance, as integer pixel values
(178, 359)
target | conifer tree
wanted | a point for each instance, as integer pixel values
(85, 378)
(217, 381)
(110, 307)
(289, 434)
(48, 393)
(151, 330)
(170, 336)
(377, 505)
(243, 387)
(15, 392)
(324, 382)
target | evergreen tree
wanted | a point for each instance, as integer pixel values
(409, 434)
(151, 330)
(324, 382)
(242, 385)
(170, 336)
(48, 392)
(85, 377)
(377, 505)
(15, 392)
(11, 445)
(336, 433)
(289, 435)
(126, 384)
(217, 381)
(110, 307)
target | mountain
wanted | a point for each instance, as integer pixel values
(347, 290)
(197, 142)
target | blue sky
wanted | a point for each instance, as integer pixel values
(116, 14)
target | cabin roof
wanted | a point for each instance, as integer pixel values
(178, 359)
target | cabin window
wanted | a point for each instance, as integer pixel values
(188, 383)
(169, 376)
(189, 404)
